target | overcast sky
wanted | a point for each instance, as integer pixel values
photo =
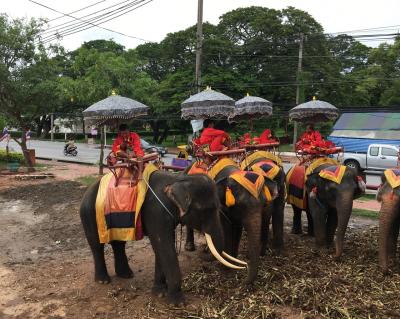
(159, 17)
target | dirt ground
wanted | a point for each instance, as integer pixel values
(46, 268)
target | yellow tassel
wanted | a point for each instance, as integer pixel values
(229, 198)
(267, 194)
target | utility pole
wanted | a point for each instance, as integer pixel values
(199, 38)
(299, 68)
(52, 126)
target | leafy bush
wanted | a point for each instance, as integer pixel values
(11, 157)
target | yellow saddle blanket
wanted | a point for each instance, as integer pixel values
(253, 182)
(333, 173)
(118, 207)
(260, 155)
(393, 177)
(266, 168)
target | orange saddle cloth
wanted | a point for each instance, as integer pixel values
(118, 207)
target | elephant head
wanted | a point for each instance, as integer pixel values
(389, 222)
(198, 203)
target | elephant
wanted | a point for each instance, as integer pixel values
(276, 210)
(331, 204)
(389, 222)
(247, 213)
(171, 199)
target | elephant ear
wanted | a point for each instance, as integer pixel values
(179, 195)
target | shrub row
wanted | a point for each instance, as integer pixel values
(11, 157)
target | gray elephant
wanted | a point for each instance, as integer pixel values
(331, 203)
(174, 199)
(246, 212)
(271, 168)
(389, 217)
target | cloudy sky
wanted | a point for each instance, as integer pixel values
(155, 19)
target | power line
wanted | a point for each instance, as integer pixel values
(81, 9)
(49, 39)
(76, 27)
(92, 24)
(368, 29)
(73, 22)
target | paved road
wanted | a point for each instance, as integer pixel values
(90, 154)
(87, 154)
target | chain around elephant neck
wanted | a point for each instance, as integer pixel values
(159, 200)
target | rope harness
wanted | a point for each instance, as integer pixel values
(173, 217)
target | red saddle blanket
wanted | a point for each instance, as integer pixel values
(295, 186)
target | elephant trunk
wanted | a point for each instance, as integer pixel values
(386, 220)
(344, 207)
(253, 228)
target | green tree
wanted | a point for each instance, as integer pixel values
(28, 75)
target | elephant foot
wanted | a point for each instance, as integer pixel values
(189, 246)
(102, 278)
(385, 271)
(159, 290)
(297, 231)
(124, 272)
(176, 299)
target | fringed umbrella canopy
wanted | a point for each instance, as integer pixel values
(113, 109)
(314, 111)
(251, 107)
(207, 104)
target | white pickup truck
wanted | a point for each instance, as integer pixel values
(378, 157)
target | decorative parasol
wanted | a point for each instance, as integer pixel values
(250, 107)
(314, 111)
(114, 109)
(207, 104)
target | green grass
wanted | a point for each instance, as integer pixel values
(367, 197)
(286, 148)
(87, 180)
(365, 213)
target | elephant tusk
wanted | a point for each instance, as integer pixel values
(240, 262)
(215, 253)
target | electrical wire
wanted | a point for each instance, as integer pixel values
(92, 24)
(73, 21)
(78, 10)
(97, 25)
(95, 20)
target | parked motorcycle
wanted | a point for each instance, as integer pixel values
(70, 150)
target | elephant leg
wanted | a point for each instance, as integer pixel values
(277, 223)
(344, 206)
(387, 217)
(266, 217)
(100, 269)
(122, 268)
(189, 245)
(310, 223)
(297, 227)
(394, 237)
(252, 225)
(319, 217)
(160, 283)
(331, 226)
(164, 248)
